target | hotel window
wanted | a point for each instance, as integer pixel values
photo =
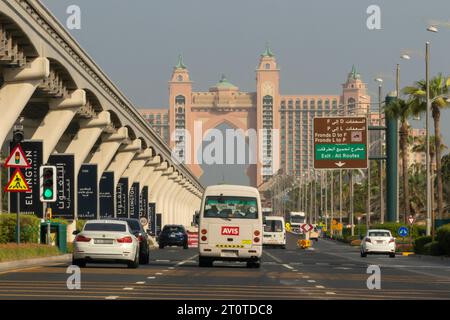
(351, 104)
(327, 104)
(297, 104)
(283, 104)
(267, 66)
(180, 78)
(180, 100)
(290, 104)
(319, 104)
(312, 104)
(305, 104)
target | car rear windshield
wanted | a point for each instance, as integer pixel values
(134, 225)
(172, 229)
(273, 226)
(105, 227)
(379, 234)
(231, 207)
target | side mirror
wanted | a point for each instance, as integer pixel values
(76, 232)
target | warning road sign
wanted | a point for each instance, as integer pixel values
(17, 159)
(17, 183)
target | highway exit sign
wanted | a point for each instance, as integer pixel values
(340, 143)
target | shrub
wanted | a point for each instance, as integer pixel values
(404, 247)
(443, 238)
(12, 251)
(80, 224)
(419, 244)
(29, 228)
(433, 248)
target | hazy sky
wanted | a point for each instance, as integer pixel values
(316, 42)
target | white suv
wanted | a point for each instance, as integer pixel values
(378, 241)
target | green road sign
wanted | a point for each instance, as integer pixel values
(340, 151)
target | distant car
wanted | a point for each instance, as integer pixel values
(144, 241)
(173, 235)
(110, 241)
(274, 233)
(378, 241)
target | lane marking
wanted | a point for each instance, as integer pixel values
(305, 277)
(311, 281)
(128, 288)
(273, 257)
(295, 270)
(187, 260)
(288, 266)
(140, 282)
(162, 260)
(320, 287)
(330, 293)
(151, 277)
(111, 297)
(158, 274)
(171, 268)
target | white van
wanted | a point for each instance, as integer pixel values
(274, 231)
(230, 227)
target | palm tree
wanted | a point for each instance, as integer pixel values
(402, 110)
(420, 146)
(439, 86)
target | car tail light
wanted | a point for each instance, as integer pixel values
(392, 240)
(125, 240)
(140, 238)
(204, 231)
(204, 238)
(368, 240)
(256, 233)
(256, 240)
(81, 238)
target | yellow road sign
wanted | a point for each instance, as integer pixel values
(17, 183)
(288, 227)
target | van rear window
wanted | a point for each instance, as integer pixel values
(273, 226)
(231, 207)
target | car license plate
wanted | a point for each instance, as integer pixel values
(380, 241)
(172, 235)
(103, 241)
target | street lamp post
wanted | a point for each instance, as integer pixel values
(380, 162)
(427, 135)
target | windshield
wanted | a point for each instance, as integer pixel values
(379, 234)
(273, 226)
(173, 229)
(231, 207)
(297, 219)
(105, 227)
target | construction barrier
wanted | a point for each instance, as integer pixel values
(192, 239)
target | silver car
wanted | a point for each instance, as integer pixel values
(106, 241)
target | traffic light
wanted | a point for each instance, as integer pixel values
(18, 134)
(48, 184)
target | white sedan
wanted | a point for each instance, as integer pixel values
(378, 241)
(106, 241)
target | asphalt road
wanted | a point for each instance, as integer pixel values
(330, 270)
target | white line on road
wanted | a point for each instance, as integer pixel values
(151, 277)
(158, 274)
(162, 260)
(320, 287)
(128, 288)
(305, 277)
(273, 257)
(140, 282)
(311, 281)
(288, 266)
(187, 260)
(330, 292)
(111, 297)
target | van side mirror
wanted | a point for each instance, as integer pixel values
(76, 232)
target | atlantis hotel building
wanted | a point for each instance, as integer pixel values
(266, 108)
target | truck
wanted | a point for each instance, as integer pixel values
(296, 219)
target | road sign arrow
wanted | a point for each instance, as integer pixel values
(340, 164)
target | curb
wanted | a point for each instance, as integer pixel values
(431, 258)
(16, 264)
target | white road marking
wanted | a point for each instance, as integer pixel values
(320, 287)
(311, 281)
(288, 266)
(295, 270)
(342, 268)
(171, 268)
(128, 288)
(330, 292)
(322, 264)
(140, 282)
(162, 260)
(273, 257)
(158, 274)
(187, 260)
(111, 297)
(151, 277)
(305, 277)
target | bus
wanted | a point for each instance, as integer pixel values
(296, 219)
(231, 225)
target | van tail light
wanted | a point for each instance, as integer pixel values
(204, 231)
(256, 240)
(204, 238)
(368, 240)
(81, 238)
(140, 238)
(125, 240)
(392, 240)
(256, 233)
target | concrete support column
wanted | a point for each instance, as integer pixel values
(123, 158)
(136, 166)
(170, 197)
(86, 137)
(58, 118)
(160, 185)
(181, 204)
(19, 85)
(106, 151)
(163, 194)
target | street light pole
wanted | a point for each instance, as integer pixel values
(427, 136)
(397, 89)
(380, 162)
(340, 195)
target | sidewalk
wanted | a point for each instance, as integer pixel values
(25, 263)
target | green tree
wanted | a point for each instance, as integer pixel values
(439, 86)
(403, 110)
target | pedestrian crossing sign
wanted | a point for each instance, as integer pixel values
(17, 183)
